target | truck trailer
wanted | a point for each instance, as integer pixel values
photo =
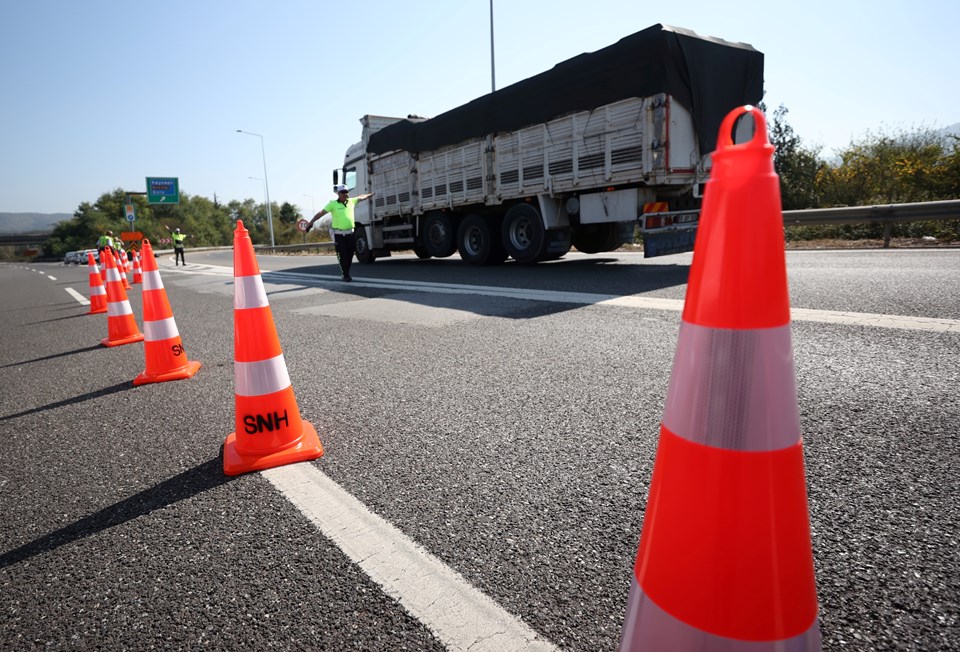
(588, 154)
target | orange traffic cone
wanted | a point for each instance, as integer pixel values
(725, 560)
(166, 357)
(124, 268)
(269, 430)
(98, 293)
(137, 269)
(121, 326)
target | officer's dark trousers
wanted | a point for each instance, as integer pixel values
(345, 243)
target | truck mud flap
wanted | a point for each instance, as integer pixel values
(558, 241)
(668, 242)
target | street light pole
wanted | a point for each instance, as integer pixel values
(493, 74)
(264, 191)
(266, 186)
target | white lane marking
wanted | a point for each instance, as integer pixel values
(82, 300)
(52, 278)
(462, 617)
(820, 316)
(882, 321)
(903, 322)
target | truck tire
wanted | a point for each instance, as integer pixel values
(437, 238)
(420, 252)
(478, 242)
(523, 234)
(595, 238)
(364, 253)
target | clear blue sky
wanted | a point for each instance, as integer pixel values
(99, 94)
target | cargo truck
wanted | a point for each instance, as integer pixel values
(598, 149)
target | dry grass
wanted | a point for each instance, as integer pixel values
(895, 243)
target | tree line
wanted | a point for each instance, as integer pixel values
(208, 223)
(880, 168)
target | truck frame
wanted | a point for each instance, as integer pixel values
(587, 154)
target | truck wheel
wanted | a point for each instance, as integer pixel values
(594, 238)
(421, 252)
(478, 243)
(438, 237)
(523, 234)
(364, 254)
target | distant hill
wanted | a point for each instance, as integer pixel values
(16, 223)
(952, 130)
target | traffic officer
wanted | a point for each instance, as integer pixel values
(342, 225)
(178, 239)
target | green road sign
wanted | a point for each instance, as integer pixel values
(163, 190)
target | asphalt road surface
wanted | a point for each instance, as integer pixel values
(489, 439)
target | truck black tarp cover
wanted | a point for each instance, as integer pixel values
(709, 76)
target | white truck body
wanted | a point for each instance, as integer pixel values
(589, 178)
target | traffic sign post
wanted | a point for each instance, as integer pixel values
(130, 212)
(163, 190)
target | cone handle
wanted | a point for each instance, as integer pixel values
(759, 139)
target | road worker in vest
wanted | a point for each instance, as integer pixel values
(178, 239)
(105, 241)
(342, 225)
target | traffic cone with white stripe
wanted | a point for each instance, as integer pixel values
(124, 268)
(166, 358)
(725, 560)
(137, 269)
(269, 429)
(98, 292)
(121, 326)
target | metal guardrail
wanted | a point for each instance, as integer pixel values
(883, 213)
(886, 214)
(294, 248)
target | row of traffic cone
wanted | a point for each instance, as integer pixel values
(165, 356)
(269, 429)
(725, 559)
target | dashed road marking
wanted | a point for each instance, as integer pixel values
(82, 300)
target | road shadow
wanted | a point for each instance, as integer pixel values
(192, 482)
(47, 321)
(591, 279)
(105, 391)
(54, 356)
